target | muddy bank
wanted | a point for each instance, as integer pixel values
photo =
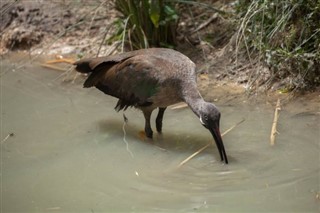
(78, 28)
(221, 92)
(54, 27)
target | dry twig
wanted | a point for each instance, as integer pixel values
(179, 106)
(125, 121)
(60, 59)
(206, 146)
(204, 24)
(6, 138)
(274, 123)
(53, 67)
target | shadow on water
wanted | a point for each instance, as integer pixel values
(166, 140)
(63, 149)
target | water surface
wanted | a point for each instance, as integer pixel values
(63, 149)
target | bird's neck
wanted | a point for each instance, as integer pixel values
(194, 99)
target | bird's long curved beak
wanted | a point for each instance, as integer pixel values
(215, 131)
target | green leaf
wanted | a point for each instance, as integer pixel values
(155, 12)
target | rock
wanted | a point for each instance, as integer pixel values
(21, 38)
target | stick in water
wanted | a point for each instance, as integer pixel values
(206, 146)
(274, 124)
(125, 121)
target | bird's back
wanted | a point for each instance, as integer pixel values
(142, 77)
(179, 64)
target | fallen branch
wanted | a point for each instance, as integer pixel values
(53, 67)
(61, 60)
(203, 25)
(206, 146)
(274, 123)
(6, 138)
(231, 128)
(179, 106)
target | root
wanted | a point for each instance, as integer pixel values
(125, 121)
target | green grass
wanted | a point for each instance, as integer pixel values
(146, 23)
(286, 36)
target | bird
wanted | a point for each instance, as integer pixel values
(152, 78)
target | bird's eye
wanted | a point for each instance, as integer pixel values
(202, 121)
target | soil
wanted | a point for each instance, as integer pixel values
(54, 27)
(73, 28)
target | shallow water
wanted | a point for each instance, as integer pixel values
(63, 150)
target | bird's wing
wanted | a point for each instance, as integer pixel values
(134, 80)
(88, 65)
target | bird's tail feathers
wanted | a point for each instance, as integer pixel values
(83, 66)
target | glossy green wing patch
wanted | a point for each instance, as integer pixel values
(146, 89)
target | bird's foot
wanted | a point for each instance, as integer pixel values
(148, 132)
(143, 136)
(159, 129)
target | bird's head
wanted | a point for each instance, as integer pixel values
(209, 116)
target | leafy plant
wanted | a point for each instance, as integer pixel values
(147, 23)
(287, 36)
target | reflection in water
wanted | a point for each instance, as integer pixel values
(67, 153)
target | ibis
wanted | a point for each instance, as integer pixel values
(152, 78)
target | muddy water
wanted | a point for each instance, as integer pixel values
(63, 149)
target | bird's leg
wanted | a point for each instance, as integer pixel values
(159, 118)
(147, 128)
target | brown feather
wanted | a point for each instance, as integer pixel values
(139, 78)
